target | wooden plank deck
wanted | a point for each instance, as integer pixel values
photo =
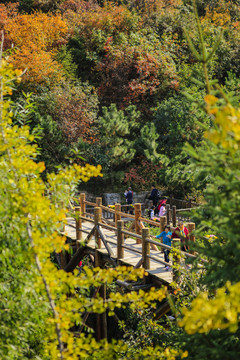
(131, 258)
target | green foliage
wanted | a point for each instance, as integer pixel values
(53, 147)
(40, 305)
(118, 130)
(176, 122)
(65, 57)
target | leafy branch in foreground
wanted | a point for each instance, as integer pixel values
(41, 304)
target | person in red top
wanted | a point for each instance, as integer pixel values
(181, 232)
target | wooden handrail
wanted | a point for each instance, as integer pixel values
(86, 219)
(170, 247)
(132, 234)
(90, 203)
(89, 214)
(132, 249)
(141, 235)
(109, 227)
(108, 209)
(123, 214)
(187, 209)
(149, 221)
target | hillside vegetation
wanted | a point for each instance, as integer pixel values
(109, 80)
(107, 94)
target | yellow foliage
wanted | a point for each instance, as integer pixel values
(36, 209)
(36, 38)
(227, 121)
(220, 312)
(223, 310)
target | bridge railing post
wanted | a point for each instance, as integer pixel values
(174, 215)
(117, 215)
(83, 204)
(163, 223)
(145, 249)
(78, 223)
(168, 213)
(191, 228)
(120, 240)
(176, 244)
(97, 219)
(138, 214)
(99, 204)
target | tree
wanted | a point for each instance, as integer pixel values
(118, 134)
(136, 71)
(218, 319)
(52, 301)
(36, 38)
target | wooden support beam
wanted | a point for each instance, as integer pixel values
(99, 204)
(63, 259)
(141, 287)
(140, 262)
(80, 253)
(117, 215)
(124, 284)
(103, 292)
(168, 213)
(75, 260)
(78, 221)
(138, 213)
(109, 250)
(83, 204)
(161, 311)
(174, 215)
(101, 330)
(132, 226)
(120, 240)
(97, 219)
(163, 223)
(145, 248)
(87, 314)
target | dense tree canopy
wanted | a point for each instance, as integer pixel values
(82, 56)
(147, 91)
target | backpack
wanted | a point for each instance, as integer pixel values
(158, 194)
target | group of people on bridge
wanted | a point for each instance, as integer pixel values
(158, 209)
(181, 232)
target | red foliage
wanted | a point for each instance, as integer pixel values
(75, 112)
(143, 174)
(134, 74)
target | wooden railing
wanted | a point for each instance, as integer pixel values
(141, 234)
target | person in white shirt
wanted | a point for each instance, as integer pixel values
(162, 211)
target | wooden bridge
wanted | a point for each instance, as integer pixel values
(121, 239)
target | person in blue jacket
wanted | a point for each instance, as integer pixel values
(167, 240)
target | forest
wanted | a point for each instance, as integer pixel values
(97, 96)
(116, 84)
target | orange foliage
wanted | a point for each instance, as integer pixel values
(158, 8)
(219, 16)
(7, 12)
(36, 38)
(110, 18)
(134, 74)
